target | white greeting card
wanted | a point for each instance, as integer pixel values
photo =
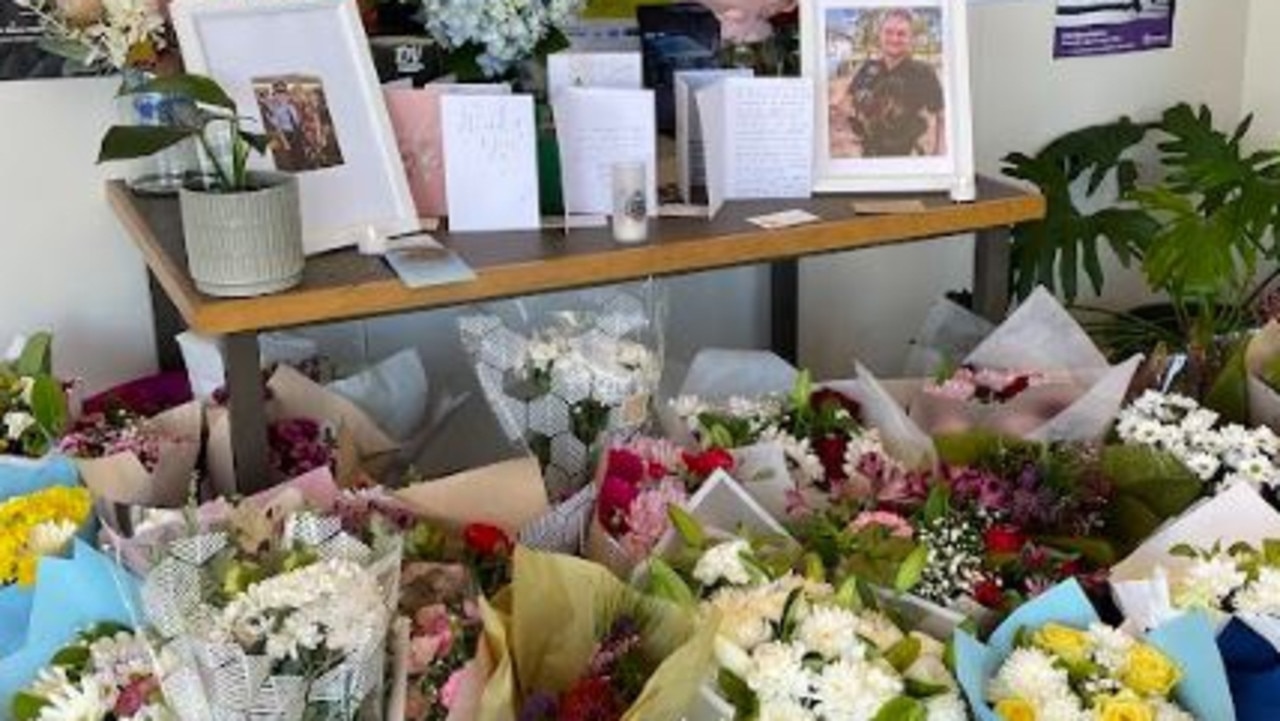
(597, 128)
(571, 69)
(491, 168)
(690, 155)
(758, 138)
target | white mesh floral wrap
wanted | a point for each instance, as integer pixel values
(560, 370)
(241, 660)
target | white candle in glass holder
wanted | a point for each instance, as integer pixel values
(630, 202)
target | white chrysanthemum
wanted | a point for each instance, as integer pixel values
(785, 711)
(832, 632)
(50, 538)
(1204, 465)
(931, 670)
(746, 613)
(778, 673)
(856, 690)
(1030, 674)
(799, 454)
(1261, 596)
(879, 629)
(1169, 711)
(724, 563)
(946, 707)
(1207, 582)
(115, 660)
(1110, 646)
(83, 701)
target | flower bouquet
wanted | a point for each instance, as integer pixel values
(561, 371)
(572, 642)
(274, 616)
(791, 647)
(39, 524)
(1053, 659)
(33, 404)
(128, 460)
(106, 674)
(490, 39)
(1038, 376)
(1222, 559)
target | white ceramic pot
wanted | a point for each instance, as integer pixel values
(247, 243)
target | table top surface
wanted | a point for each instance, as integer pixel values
(343, 284)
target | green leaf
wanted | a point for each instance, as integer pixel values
(902, 708)
(27, 707)
(1150, 486)
(665, 583)
(37, 356)
(125, 142)
(737, 692)
(1184, 550)
(903, 653)
(790, 615)
(257, 141)
(918, 689)
(1098, 551)
(73, 659)
(49, 405)
(912, 569)
(938, 503)
(1229, 394)
(688, 527)
(814, 569)
(847, 595)
(199, 88)
(1271, 551)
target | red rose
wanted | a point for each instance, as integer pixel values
(988, 593)
(830, 450)
(703, 464)
(615, 499)
(486, 540)
(626, 465)
(1005, 539)
(824, 397)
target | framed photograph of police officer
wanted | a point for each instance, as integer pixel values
(301, 71)
(892, 84)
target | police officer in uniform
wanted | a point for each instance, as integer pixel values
(897, 100)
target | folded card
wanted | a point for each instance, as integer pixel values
(690, 154)
(570, 69)
(491, 162)
(598, 128)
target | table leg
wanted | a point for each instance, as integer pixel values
(784, 320)
(991, 256)
(248, 412)
(166, 323)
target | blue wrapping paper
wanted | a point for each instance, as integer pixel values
(1188, 640)
(1253, 671)
(70, 594)
(20, 476)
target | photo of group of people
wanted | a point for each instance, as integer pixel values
(885, 95)
(296, 119)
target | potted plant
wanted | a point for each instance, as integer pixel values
(243, 228)
(1198, 233)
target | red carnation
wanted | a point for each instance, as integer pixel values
(823, 397)
(591, 699)
(616, 496)
(703, 464)
(988, 593)
(486, 540)
(626, 465)
(830, 450)
(1005, 539)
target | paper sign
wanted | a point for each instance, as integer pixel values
(415, 117)
(783, 219)
(491, 163)
(594, 69)
(690, 158)
(758, 136)
(422, 267)
(596, 128)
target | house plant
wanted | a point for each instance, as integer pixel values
(243, 228)
(1198, 233)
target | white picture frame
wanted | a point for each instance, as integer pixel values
(845, 54)
(311, 55)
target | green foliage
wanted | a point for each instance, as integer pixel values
(37, 356)
(903, 653)
(664, 582)
(688, 527)
(912, 569)
(214, 108)
(1229, 394)
(739, 694)
(27, 707)
(1151, 486)
(902, 708)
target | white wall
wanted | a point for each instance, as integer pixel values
(1021, 99)
(65, 264)
(1261, 92)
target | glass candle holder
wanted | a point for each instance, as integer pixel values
(630, 202)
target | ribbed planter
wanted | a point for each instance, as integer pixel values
(247, 243)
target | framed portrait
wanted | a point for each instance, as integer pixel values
(892, 95)
(301, 71)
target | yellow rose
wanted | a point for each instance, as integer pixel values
(1015, 709)
(1149, 672)
(1125, 709)
(1072, 645)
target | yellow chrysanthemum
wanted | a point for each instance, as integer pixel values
(27, 523)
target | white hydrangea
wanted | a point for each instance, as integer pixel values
(1261, 596)
(856, 690)
(724, 562)
(505, 31)
(832, 632)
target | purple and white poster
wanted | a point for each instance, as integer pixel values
(1111, 27)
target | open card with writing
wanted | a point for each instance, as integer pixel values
(597, 128)
(491, 169)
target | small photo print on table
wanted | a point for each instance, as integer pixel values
(884, 77)
(296, 119)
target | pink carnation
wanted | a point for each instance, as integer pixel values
(896, 525)
(647, 518)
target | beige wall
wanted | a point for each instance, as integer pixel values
(868, 305)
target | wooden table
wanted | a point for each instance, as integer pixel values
(346, 285)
